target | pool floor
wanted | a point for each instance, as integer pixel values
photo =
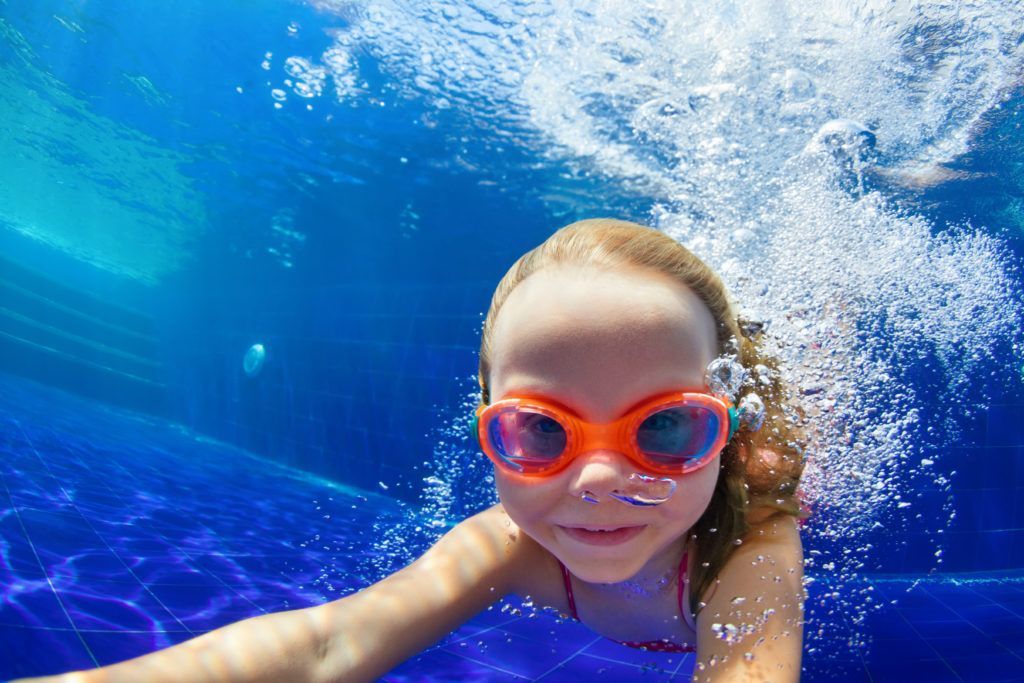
(121, 534)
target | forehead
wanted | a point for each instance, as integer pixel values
(600, 339)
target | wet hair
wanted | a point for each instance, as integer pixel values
(760, 470)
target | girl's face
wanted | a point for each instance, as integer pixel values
(598, 342)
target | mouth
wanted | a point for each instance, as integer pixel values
(601, 535)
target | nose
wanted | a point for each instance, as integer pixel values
(599, 471)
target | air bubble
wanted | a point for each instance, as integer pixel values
(255, 357)
(644, 490)
(797, 85)
(751, 412)
(724, 376)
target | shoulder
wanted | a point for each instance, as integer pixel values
(757, 607)
(500, 547)
(527, 569)
(773, 530)
(759, 517)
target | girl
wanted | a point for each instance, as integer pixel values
(632, 498)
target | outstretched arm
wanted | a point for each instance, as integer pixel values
(356, 638)
(758, 638)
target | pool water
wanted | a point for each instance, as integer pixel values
(245, 250)
(122, 534)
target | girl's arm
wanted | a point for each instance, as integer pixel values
(356, 638)
(767, 571)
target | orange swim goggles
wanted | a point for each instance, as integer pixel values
(671, 434)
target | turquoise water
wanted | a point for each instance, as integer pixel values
(344, 183)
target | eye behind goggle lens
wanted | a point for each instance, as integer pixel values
(678, 435)
(527, 439)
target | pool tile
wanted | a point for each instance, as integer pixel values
(918, 615)
(1014, 642)
(583, 667)
(883, 650)
(545, 630)
(111, 647)
(441, 667)
(944, 629)
(509, 652)
(27, 651)
(610, 650)
(31, 603)
(201, 608)
(105, 605)
(917, 597)
(60, 532)
(832, 671)
(173, 569)
(493, 617)
(983, 612)
(91, 563)
(896, 670)
(16, 551)
(1003, 667)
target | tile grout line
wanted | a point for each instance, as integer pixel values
(938, 655)
(564, 661)
(35, 553)
(974, 626)
(860, 655)
(186, 554)
(642, 667)
(484, 630)
(158, 534)
(1010, 611)
(111, 549)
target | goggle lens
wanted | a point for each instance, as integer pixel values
(527, 439)
(677, 436)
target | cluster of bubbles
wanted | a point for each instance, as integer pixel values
(455, 482)
(304, 79)
(726, 377)
(772, 138)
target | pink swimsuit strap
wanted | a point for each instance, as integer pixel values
(653, 645)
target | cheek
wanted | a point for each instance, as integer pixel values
(692, 497)
(525, 500)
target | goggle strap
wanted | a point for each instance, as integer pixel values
(734, 422)
(474, 430)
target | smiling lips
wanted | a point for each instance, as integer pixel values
(597, 535)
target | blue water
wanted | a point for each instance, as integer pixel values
(122, 534)
(160, 215)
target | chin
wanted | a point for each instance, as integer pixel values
(601, 569)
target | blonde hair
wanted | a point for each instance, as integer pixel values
(768, 479)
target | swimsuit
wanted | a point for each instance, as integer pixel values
(653, 645)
